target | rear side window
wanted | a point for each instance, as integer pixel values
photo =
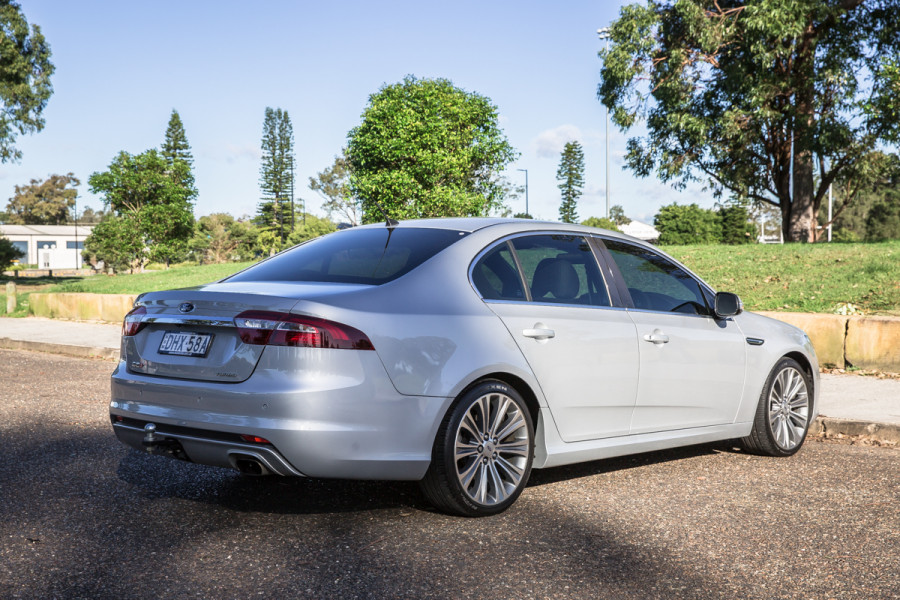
(367, 256)
(558, 269)
(497, 277)
(561, 269)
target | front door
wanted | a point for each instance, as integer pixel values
(691, 363)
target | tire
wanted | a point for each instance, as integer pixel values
(782, 416)
(482, 453)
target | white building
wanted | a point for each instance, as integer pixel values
(49, 246)
(641, 231)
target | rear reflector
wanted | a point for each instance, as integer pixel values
(133, 321)
(260, 327)
(254, 439)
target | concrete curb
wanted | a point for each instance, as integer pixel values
(877, 432)
(63, 349)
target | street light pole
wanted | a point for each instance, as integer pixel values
(526, 191)
(603, 32)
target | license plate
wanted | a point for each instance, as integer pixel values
(185, 344)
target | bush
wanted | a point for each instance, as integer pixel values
(679, 225)
(735, 224)
(600, 223)
(8, 253)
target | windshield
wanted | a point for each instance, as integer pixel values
(369, 256)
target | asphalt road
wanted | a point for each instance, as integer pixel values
(83, 516)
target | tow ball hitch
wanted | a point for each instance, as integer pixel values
(156, 444)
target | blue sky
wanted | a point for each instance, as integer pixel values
(121, 67)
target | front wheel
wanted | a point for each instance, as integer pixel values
(782, 417)
(483, 452)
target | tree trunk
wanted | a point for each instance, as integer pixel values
(800, 224)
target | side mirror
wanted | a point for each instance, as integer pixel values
(728, 305)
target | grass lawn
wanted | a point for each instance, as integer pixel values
(794, 277)
(149, 281)
(802, 277)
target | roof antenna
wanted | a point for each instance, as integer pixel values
(388, 222)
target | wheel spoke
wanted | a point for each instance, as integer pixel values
(466, 449)
(516, 447)
(500, 493)
(468, 473)
(468, 424)
(515, 423)
(483, 481)
(515, 473)
(498, 418)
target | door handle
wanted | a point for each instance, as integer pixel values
(539, 333)
(657, 337)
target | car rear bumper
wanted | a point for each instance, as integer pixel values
(338, 418)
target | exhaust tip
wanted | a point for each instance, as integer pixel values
(248, 465)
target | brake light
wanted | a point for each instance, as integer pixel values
(261, 327)
(133, 321)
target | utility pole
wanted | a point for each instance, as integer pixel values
(77, 254)
(604, 35)
(526, 191)
(291, 160)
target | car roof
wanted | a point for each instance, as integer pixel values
(472, 224)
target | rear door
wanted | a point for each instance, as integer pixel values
(550, 294)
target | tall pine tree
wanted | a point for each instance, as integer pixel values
(570, 176)
(276, 173)
(175, 148)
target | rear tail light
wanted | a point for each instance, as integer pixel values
(133, 321)
(260, 327)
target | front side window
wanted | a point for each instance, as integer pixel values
(561, 269)
(369, 256)
(656, 283)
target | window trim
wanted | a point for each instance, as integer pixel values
(611, 292)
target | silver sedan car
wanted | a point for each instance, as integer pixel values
(461, 353)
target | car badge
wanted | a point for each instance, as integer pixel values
(186, 307)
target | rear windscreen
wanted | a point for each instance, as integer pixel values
(367, 256)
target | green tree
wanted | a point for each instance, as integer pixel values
(115, 242)
(147, 196)
(276, 173)
(570, 181)
(333, 185)
(90, 216)
(220, 238)
(851, 218)
(735, 225)
(311, 227)
(25, 71)
(522, 216)
(426, 148)
(175, 147)
(687, 224)
(617, 214)
(757, 98)
(8, 253)
(601, 223)
(883, 222)
(43, 202)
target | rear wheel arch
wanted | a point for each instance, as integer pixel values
(517, 383)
